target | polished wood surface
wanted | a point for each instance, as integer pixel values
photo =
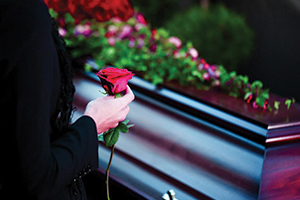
(281, 173)
(269, 120)
(283, 117)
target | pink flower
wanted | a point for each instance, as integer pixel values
(126, 31)
(141, 19)
(254, 105)
(176, 41)
(176, 54)
(154, 33)
(217, 73)
(265, 106)
(84, 30)
(153, 47)
(203, 65)
(206, 66)
(141, 43)
(112, 29)
(193, 53)
(200, 66)
(203, 61)
(250, 97)
(206, 76)
(111, 41)
(109, 34)
(116, 20)
(179, 54)
(62, 32)
(216, 83)
(131, 42)
(139, 26)
(213, 67)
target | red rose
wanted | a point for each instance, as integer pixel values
(107, 9)
(122, 9)
(101, 10)
(83, 9)
(114, 80)
(60, 6)
(141, 19)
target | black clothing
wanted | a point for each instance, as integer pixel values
(31, 165)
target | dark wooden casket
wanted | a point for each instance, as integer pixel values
(201, 144)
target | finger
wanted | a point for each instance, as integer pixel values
(123, 113)
(128, 97)
(114, 125)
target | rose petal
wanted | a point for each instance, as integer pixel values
(114, 79)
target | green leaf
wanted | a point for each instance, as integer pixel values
(233, 94)
(196, 73)
(156, 79)
(260, 100)
(100, 138)
(53, 13)
(247, 95)
(288, 103)
(130, 125)
(245, 79)
(257, 84)
(142, 68)
(162, 32)
(118, 95)
(269, 108)
(276, 105)
(69, 19)
(122, 127)
(265, 93)
(111, 137)
(232, 74)
(124, 123)
(88, 68)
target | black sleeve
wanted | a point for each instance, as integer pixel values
(30, 83)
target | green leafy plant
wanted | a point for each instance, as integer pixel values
(220, 35)
(111, 136)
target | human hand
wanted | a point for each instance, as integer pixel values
(108, 111)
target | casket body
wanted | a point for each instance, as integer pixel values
(201, 144)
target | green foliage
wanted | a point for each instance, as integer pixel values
(276, 105)
(111, 136)
(288, 102)
(220, 35)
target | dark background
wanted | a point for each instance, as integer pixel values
(276, 59)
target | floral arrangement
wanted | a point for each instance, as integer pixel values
(152, 53)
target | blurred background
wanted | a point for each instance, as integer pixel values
(257, 38)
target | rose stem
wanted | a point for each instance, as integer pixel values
(107, 171)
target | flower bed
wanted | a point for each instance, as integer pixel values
(153, 53)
